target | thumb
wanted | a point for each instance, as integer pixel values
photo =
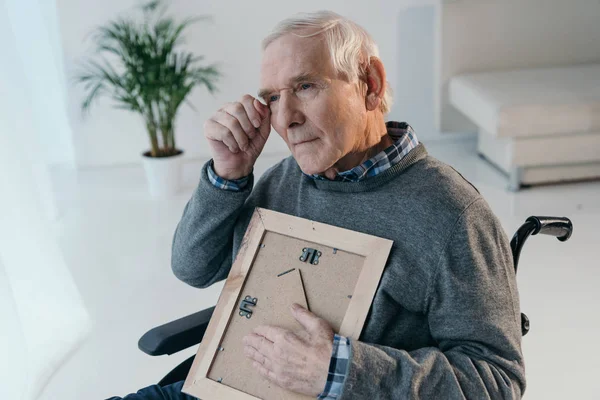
(307, 319)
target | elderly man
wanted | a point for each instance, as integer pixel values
(445, 320)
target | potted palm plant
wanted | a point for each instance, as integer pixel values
(151, 76)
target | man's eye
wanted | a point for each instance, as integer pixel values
(273, 98)
(305, 86)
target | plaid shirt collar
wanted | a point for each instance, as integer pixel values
(405, 140)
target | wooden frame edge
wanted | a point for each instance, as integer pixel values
(365, 290)
(230, 293)
(325, 234)
(207, 388)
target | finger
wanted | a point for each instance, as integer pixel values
(260, 343)
(272, 333)
(307, 319)
(219, 133)
(257, 356)
(238, 111)
(261, 108)
(303, 335)
(265, 126)
(270, 375)
(254, 115)
(231, 123)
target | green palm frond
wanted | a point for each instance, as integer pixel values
(149, 73)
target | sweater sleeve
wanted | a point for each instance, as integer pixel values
(203, 241)
(472, 307)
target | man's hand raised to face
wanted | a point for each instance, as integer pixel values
(297, 361)
(237, 134)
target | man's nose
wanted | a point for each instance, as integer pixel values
(289, 113)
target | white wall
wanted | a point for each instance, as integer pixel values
(109, 136)
(478, 35)
(413, 98)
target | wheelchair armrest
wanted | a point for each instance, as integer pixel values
(176, 335)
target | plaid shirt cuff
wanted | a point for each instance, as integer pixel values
(338, 367)
(234, 185)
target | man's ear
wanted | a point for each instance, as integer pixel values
(376, 84)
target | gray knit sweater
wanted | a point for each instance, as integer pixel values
(445, 321)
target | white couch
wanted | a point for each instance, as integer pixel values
(537, 125)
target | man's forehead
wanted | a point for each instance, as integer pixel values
(289, 57)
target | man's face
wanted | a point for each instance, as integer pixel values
(319, 114)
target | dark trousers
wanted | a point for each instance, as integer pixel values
(155, 392)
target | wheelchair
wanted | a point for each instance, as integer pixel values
(188, 331)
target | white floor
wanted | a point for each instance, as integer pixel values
(117, 240)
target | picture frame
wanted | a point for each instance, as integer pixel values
(326, 262)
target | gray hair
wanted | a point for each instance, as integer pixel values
(350, 46)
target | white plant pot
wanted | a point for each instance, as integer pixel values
(163, 174)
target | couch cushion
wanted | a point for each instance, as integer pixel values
(531, 102)
(576, 148)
